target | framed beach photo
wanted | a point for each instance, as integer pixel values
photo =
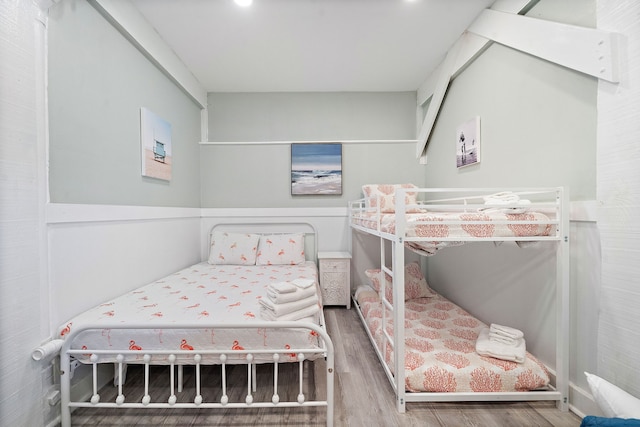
(316, 169)
(155, 141)
(468, 143)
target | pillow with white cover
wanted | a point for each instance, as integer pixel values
(415, 285)
(385, 193)
(281, 249)
(233, 248)
(612, 400)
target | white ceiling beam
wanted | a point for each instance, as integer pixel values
(587, 50)
(124, 16)
(439, 92)
(472, 47)
(467, 48)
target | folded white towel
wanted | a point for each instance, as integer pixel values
(288, 307)
(506, 198)
(503, 340)
(505, 331)
(502, 198)
(487, 347)
(290, 296)
(303, 283)
(282, 287)
(304, 313)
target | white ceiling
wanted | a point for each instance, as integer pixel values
(311, 45)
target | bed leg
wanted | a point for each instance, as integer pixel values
(116, 374)
(180, 377)
(65, 389)
(254, 386)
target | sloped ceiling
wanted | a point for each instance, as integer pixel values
(310, 45)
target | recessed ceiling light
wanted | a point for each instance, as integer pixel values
(243, 3)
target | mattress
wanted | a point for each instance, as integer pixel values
(436, 230)
(440, 351)
(201, 294)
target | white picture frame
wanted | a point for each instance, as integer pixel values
(155, 142)
(468, 143)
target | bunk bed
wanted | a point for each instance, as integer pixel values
(210, 314)
(420, 359)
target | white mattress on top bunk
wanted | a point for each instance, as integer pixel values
(440, 354)
(200, 294)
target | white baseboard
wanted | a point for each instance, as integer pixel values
(581, 402)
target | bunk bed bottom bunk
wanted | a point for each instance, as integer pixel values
(441, 362)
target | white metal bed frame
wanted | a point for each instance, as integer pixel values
(470, 199)
(66, 360)
(326, 350)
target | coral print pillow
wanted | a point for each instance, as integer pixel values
(415, 285)
(233, 248)
(385, 194)
(279, 249)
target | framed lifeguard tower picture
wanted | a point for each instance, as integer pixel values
(155, 140)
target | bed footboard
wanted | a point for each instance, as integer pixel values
(199, 358)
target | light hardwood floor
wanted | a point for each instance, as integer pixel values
(363, 397)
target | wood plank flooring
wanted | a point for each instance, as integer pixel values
(363, 397)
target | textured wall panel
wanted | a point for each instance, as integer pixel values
(21, 317)
(618, 193)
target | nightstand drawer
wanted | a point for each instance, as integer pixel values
(334, 266)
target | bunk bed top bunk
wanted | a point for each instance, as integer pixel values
(429, 219)
(426, 220)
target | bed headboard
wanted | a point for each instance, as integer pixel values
(307, 229)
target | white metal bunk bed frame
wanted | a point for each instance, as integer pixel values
(559, 234)
(326, 350)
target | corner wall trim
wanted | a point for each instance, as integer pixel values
(342, 141)
(66, 213)
(63, 213)
(273, 212)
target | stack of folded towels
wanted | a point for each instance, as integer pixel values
(293, 300)
(507, 198)
(502, 342)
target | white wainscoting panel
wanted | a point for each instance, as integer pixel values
(92, 261)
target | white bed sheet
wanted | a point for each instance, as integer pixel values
(200, 294)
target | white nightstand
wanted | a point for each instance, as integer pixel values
(335, 278)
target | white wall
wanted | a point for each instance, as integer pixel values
(618, 348)
(259, 174)
(23, 291)
(98, 82)
(98, 253)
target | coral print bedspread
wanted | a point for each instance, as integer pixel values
(200, 294)
(451, 225)
(440, 349)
